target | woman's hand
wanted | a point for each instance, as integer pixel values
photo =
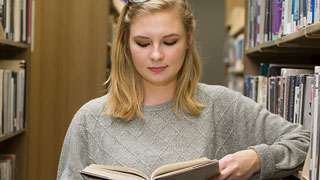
(238, 166)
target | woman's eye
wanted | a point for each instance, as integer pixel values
(143, 44)
(170, 43)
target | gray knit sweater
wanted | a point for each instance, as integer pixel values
(230, 122)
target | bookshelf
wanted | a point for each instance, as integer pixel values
(17, 141)
(305, 40)
(301, 47)
(66, 67)
(290, 49)
(234, 34)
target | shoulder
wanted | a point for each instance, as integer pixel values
(216, 92)
(221, 99)
(93, 110)
(95, 106)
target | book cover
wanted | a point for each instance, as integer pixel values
(289, 17)
(302, 87)
(276, 18)
(296, 99)
(262, 88)
(312, 10)
(315, 124)
(295, 14)
(290, 98)
(272, 94)
(278, 98)
(307, 116)
(267, 21)
(199, 169)
(16, 20)
(262, 19)
(2, 16)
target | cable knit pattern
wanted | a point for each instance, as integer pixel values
(230, 122)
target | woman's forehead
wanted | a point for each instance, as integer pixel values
(160, 22)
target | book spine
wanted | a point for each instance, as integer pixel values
(276, 18)
(296, 99)
(312, 10)
(305, 12)
(262, 20)
(270, 22)
(272, 88)
(7, 23)
(267, 21)
(295, 14)
(291, 98)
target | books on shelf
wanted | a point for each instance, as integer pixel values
(233, 53)
(235, 82)
(293, 93)
(233, 59)
(8, 166)
(271, 19)
(201, 168)
(284, 92)
(12, 86)
(14, 18)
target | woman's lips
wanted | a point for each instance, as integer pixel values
(157, 69)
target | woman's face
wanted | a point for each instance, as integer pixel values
(158, 45)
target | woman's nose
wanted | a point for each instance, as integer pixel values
(157, 55)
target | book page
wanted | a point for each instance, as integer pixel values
(121, 169)
(202, 171)
(177, 166)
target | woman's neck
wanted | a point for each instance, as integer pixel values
(158, 94)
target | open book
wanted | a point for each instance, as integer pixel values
(199, 169)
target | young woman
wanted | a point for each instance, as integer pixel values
(156, 112)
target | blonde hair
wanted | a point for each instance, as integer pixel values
(126, 87)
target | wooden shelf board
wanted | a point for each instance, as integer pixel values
(236, 32)
(310, 42)
(252, 50)
(313, 29)
(291, 37)
(240, 73)
(8, 136)
(268, 44)
(7, 42)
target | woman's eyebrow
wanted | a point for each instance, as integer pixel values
(140, 37)
(171, 35)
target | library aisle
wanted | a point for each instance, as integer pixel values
(64, 45)
(55, 56)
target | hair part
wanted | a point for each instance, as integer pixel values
(125, 93)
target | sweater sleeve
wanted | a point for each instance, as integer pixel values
(74, 156)
(281, 146)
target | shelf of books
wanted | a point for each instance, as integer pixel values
(233, 60)
(281, 58)
(233, 46)
(305, 40)
(13, 140)
(14, 28)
